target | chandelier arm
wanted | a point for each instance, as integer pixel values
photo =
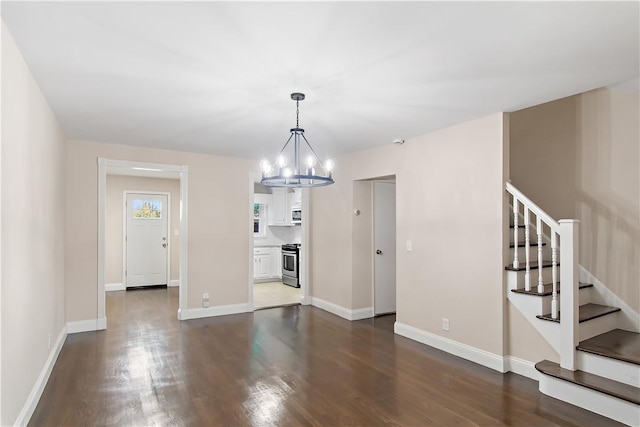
(286, 143)
(312, 150)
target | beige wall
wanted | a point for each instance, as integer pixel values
(116, 185)
(219, 227)
(32, 231)
(579, 157)
(450, 201)
(362, 238)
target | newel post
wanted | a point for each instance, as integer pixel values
(569, 251)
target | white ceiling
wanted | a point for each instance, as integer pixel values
(215, 77)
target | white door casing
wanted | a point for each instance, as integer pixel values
(384, 240)
(146, 239)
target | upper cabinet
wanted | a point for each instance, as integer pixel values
(283, 201)
(296, 199)
(278, 212)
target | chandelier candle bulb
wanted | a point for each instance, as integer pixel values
(299, 174)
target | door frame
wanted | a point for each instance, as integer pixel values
(304, 248)
(124, 231)
(104, 164)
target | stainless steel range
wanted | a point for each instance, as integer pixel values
(291, 265)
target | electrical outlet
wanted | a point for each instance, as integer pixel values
(205, 300)
(445, 324)
(409, 246)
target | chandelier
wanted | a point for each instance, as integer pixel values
(291, 171)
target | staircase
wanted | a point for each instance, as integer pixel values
(599, 367)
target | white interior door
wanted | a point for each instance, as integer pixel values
(384, 240)
(146, 239)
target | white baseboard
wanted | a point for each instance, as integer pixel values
(34, 396)
(111, 287)
(86, 325)
(591, 400)
(338, 310)
(173, 283)
(481, 357)
(521, 367)
(220, 310)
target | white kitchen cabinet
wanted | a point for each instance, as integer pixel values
(279, 212)
(261, 266)
(296, 198)
(276, 263)
(267, 263)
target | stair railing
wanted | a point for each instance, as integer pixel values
(562, 234)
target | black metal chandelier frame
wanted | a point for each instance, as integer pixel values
(295, 178)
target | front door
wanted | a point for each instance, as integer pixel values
(146, 239)
(384, 238)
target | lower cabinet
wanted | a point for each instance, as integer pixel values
(267, 263)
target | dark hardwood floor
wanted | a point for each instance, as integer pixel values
(286, 366)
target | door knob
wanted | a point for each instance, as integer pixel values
(164, 245)
(379, 252)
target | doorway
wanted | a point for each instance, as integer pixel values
(384, 243)
(278, 246)
(177, 233)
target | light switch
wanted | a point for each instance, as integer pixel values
(176, 232)
(409, 246)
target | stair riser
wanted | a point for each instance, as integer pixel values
(600, 403)
(613, 369)
(597, 326)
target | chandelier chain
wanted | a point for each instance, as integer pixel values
(297, 113)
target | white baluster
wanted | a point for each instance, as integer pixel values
(554, 274)
(539, 230)
(516, 264)
(527, 273)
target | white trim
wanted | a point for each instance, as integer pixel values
(521, 367)
(465, 351)
(86, 325)
(125, 193)
(111, 287)
(174, 283)
(34, 396)
(184, 265)
(591, 400)
(253, 178)
(220, 310)
(338, 310)
(305, 298)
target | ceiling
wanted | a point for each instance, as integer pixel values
(215, 77)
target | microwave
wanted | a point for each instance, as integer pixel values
(296, 216)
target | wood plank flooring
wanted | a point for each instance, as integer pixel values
(286, 366)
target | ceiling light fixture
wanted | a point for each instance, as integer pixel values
(297, 174)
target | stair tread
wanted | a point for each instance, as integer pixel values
(594, 382)
(521, 244)
(585, 312)
(532, 265)
(616, 344)
(548, 289)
